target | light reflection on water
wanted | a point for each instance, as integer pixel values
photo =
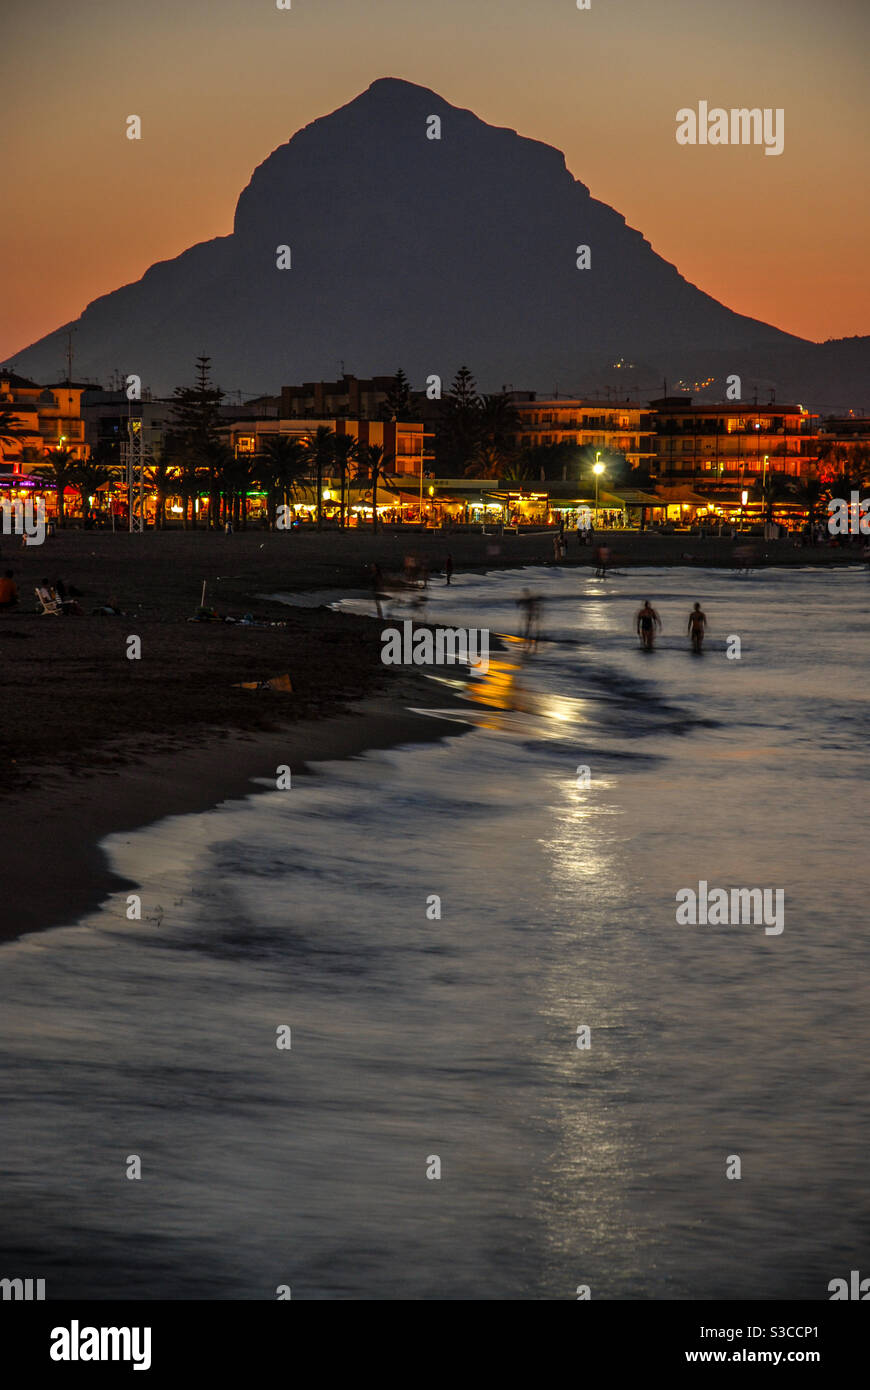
(457, 1036)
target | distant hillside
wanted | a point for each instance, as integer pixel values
(425, 254)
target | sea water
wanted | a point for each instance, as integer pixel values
(433, 925)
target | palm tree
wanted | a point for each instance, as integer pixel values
(810, 493)
(159, 474)
(321, 450)
(190, 481)
(237, 472)
(88, 477)
(283, 463)
(770, 489)
(11, 428)
(57, 470)
(219, 474)
(520, 469)
(375, 464)
(346, 448)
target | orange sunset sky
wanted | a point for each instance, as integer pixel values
(219, 84)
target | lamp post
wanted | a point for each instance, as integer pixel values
(597, 469)
(744, 498)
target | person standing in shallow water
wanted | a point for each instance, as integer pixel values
(648, 623)
(376, 579)
(697, 627)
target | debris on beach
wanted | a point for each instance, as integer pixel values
(209, 615)
(280, 683)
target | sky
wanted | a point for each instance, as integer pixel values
(218, 84)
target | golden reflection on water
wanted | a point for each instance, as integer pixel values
(581, 1194)
(502, 688)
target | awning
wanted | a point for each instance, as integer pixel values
(632, 497)
(402, 499)
(22, 480)
(516, 495)
(682, 492)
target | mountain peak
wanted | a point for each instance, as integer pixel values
(415, 244)
(397, 85)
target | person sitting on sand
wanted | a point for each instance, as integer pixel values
(111, 609)
(648, 622)
(8, 590)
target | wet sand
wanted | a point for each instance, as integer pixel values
(92, 742)
(54, 870)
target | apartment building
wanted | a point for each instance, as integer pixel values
(615, 427)
(49, 417)
(400, 440)
(731, 442)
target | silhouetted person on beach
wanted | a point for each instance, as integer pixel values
(377, 580)
(602, 556)
(648, 623)
(448, 569)
(697, 627)
(8, 591)
(530, 607)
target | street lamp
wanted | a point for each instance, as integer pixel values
(744, 498)
(597, 469)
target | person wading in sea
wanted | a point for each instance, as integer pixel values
(697, 627)
(648, 623)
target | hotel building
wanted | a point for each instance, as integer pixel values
(615, 427)
(732, 442)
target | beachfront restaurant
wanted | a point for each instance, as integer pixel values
(640, 509)
(461, 502)
(575, 503)
(725, 508)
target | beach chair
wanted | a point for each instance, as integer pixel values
(50, 602)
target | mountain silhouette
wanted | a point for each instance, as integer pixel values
(427, 253)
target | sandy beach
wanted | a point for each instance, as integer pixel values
(93, 742)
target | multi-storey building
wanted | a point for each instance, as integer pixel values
(731, 442)
(401, 441)
(107, 415)
(49, 417)
(614, 427)
(351, 398)
(356, 398)
(844, 446)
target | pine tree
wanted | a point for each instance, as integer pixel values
(397, 406)
(460, 427)
(195, 421)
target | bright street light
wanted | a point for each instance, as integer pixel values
(597, 469)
